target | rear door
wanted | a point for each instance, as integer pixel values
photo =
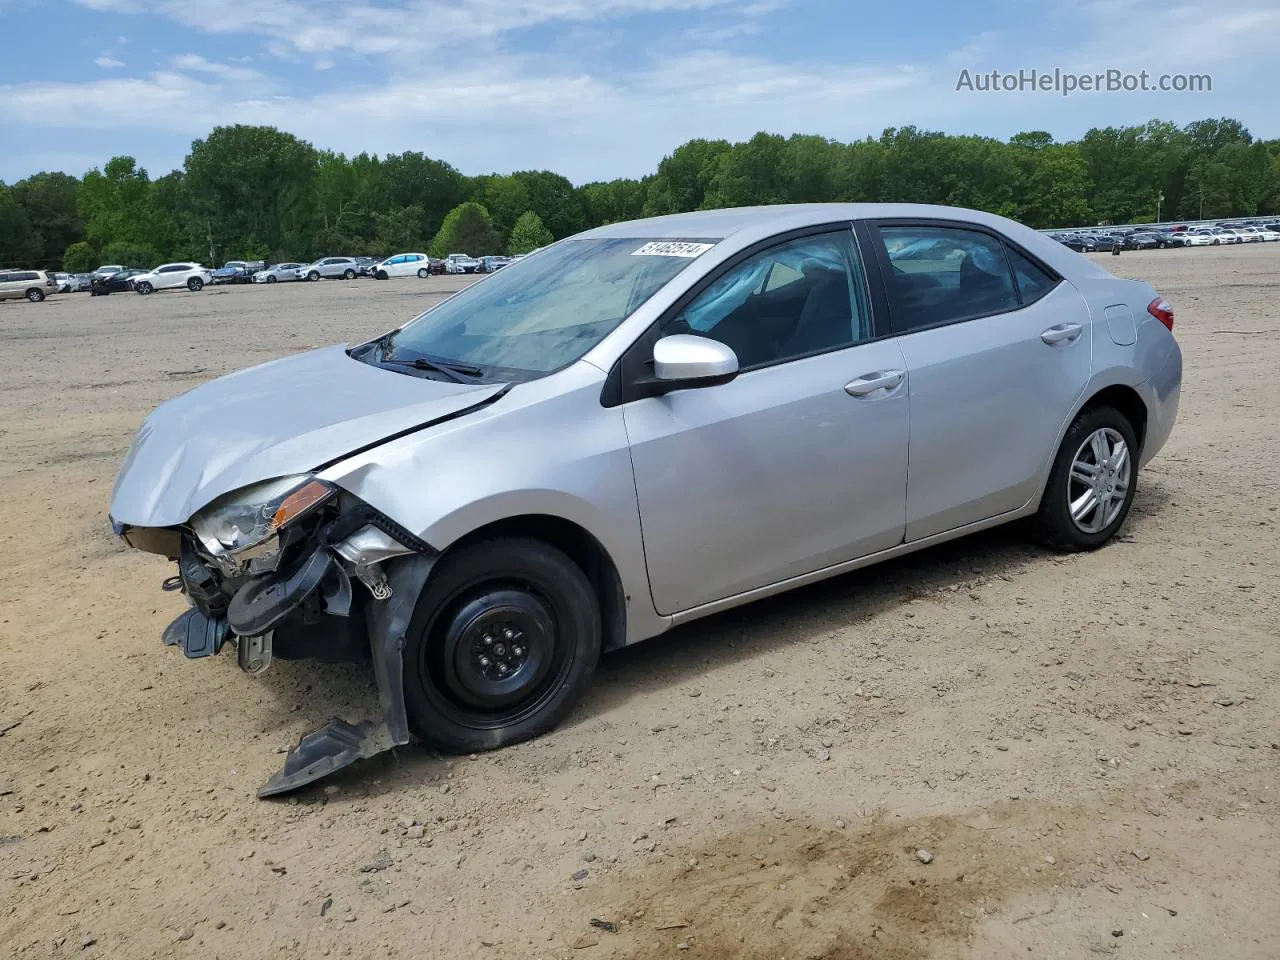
(796, 465)
(998, 350)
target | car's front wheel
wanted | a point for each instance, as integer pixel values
(380, 275)
(313, 275)
(271, 278)
(1092, 483)
(503, 642)
(195, 284)
(143, 288)
(423, 273)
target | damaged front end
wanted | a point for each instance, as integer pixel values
(296, 568)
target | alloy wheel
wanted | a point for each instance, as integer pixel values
(1098, 485)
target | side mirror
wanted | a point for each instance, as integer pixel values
(683, 361)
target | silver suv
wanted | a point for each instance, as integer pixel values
(33, 285)
(332, 268)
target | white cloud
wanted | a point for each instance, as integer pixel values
(108, 63)
(194, 63)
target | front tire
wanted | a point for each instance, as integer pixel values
(503, 642)
(143, 288)
(1092, 484)
(380, 275)
(313, 275)
(423, 273)
(271, 278)
(195, 284)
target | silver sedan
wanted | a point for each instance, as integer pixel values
(634, 428)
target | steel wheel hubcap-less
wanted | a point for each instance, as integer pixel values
(499, 648)
(1099, 482)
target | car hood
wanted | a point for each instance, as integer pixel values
(284, 417)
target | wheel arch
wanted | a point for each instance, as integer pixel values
(1125, 399)
(581, 546)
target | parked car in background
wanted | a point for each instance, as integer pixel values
(233, 271)
(1190, 238)
(492, 264)
(79, 282)
(31, 285)
(332, 268)
(278, 272)
(118, 282)
(365, 265)
(460, 263)
(1141, 241)
(61, 281)
(107, 269)
(649, 423)
(173, 276)
(403, 265)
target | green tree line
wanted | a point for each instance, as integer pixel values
(250, 192)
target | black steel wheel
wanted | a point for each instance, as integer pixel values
(504, 640)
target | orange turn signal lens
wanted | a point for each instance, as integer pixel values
(308, 496)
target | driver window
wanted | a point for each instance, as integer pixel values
(802, 297)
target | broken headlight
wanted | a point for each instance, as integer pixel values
(252, 516)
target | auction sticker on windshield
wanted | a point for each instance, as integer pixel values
(672, 248)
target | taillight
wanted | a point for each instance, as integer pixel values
(1161, 309)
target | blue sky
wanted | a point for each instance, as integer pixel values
(594, 89)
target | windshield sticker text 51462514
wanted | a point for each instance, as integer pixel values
(672, 248)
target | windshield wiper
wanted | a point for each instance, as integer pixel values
(457, 372)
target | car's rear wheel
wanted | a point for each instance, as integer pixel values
(1092, 484)
(423, 273)
(503, 642)
(348, 274)
(35, 295)
(143, 288)
(195, 284)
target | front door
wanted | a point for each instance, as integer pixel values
(800, 462)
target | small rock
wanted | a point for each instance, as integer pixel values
(695, 693)
(924, 856)
(1050, 861)
(682, 946)
(588, 858)
(186, 933)
(580, 874)
(839, 824)
(134, 825)
(324, 907)
(416, 832)
(407, 822)
(1142, 855)
(6, 787)
(380, 862)
(1117, 932)
(1225, 701)
(88, 942)
(608, 926)
(220, 925)
(331, 789)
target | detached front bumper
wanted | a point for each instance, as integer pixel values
(309, 608)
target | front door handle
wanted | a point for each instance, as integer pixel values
(869, 383)
(1062, 333)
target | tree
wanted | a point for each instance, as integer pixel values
(467, 229)
(18, 242)
(115, 203)
(80, 257)
(131, 255)
(398, 230)
(49, 201)
(529, 234)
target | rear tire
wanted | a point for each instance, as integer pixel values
(35, 295)
(503, 642)
(1092, 483)
(195, 284)
(348, 274)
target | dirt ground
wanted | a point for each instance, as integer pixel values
(1085, 747)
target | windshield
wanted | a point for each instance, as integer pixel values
(544, 312)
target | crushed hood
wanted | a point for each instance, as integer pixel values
(284, 417)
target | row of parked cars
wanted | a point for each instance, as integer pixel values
(117, 278)
(1159, 238)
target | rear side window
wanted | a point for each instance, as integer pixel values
(1033, 281)
(940, 275)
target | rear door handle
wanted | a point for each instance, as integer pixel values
(1062, 333)
(869, 383)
